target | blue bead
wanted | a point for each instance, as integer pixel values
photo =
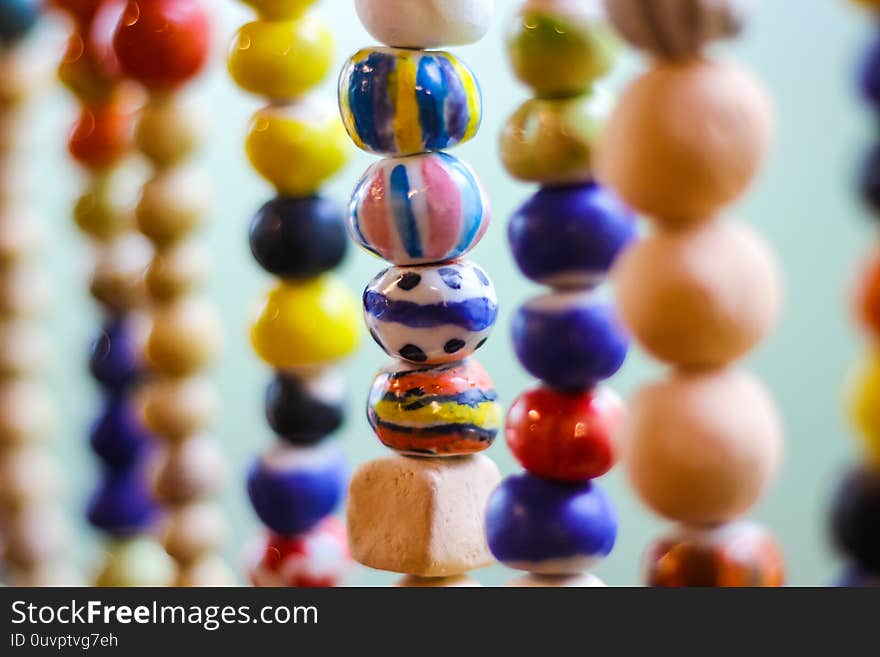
(549, 527)
(869, 73)
(292, 489)
(571, 341)
(17, 18)
(304, 411)
(570, 236)
(122, 504)
(853, 578)
(116, 360)
(117, 435)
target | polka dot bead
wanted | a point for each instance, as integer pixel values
(419, 210)
(115, 360)
(854, 519)
(432, 314)
(17, 18)
(427, 24)
(122, 504)
(550, 528)
(303, 410)
(117, 436)
(403, 102)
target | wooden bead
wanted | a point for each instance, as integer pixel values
(36, 534)
(27, 412)
(192, 470)
(189, 532)
(25, 347)
(177, 270)
(671, 167)
(118, 279)
(57, 572)
(186, 337)
(100, 212)
(701, 447)
(27, 474)
(168, 130)
(24, 290)
(210, 570)
(454, 582)
(532, 581)
(175, 409)
(173, 204)
(21, 234)
(136, 562)
(424, 25)
(699, 298)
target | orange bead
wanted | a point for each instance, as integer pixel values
(867, 296)
(101, 135)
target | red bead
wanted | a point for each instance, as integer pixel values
(102, 135)
(565, 436)
(867, 298)
(163, 43)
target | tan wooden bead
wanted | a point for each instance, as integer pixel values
(193, 530)
(26, 474)
(186, 336)
(195, 469)
(100, 212)
(118, 279)
(21, 234)
(176, 409)
(178, 269)
(456, 581)
(135, 562)
(36, 534)
(25, 347)
(24, 290)
(532, 581)
(169, 129)
(57, 572)
(173, 204)
(27, 412)
(209, 570)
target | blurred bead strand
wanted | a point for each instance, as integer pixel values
(698, 293)
(554, 521)
(307, 321)
(420, 513)
(163, 45)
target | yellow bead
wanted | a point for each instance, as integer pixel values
(169, 130)
(278, 10)
(298, 147)
(864, 404)
(281, 59)
(98, 212)
(306, 324)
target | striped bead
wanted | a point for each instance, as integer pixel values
(420, 209)
(403, 102)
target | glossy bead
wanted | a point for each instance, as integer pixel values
(402, 102)
(854, 519)
(305, 324)
(136, 562)
(27, 412)
(303, 410)
(550, 528)
(308, 132)
(558, 48)
(869, 78)
(292, 489)
(445, 410)
(186, 337)
(178, 270)
(195, 469)
(431, 314)
(122, 504)
(867, 295)
(569, 340)
(869, 179)
(168, 130)
(117, 281)
(173, 204)
(282, 59)
(743, 554)
(277, 10)
(177, 409)
(115, 360)
(425, 25)
(568, 237)
(117, 436)
(565, 436)
(17, 18)
(700, 448)
(99, 212)
(864, 390)
(419, 210)
(102, 135)
(299, 237)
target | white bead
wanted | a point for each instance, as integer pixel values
(426, 23)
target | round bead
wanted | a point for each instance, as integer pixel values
(869, 179)
(558, 47)
(118, 278)
(308, 132)
(36, 534)
(869, 77)
(21, 234)
(292, 489)
(432, 314)
(136, 562)
(277, 10)
(115, 360)
(419, 210)
(101, 136)
(100, 212)
(565, 436)
(168, 130)
(117, 436)
(700, 448)
(193, 530)
(173, 204)
(403, 102)
(192, 470)
(568, 237)
(699, 298)
(178, 270)
(209, 570)
(122, 503)
(305, 410)
(177, 409)
(854, 519)
(549, 528)
(742, 554)
(25, 347)
(83, 73)
(305, 324)
(27, 412)
(569, 340)
(677, 170)
(854, 578)
(299, 237)
(446, 410)
(864, 410)
(17, 18)
(28, 474)
(867, 297)
(186, 337)
(281, 59)
(424, 25)
(24, 290)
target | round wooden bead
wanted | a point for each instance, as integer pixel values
(299, 237)
(28, 474)
(552, 141)
(194, 530)
(568, 237)
(100, 212)
(278, 10)
(306, 324)
(136, 562)
(559, 47)
(677, 170)
(24, 290)
(57, 572)
(192, 470)
(282, 59)
(178, 270)
(292, 489)
(303, 410)
(737, 555)
(402, 102)
(168, 130)
(101, 136)
(445, 410)
(115, 360)
(118, 435)
(25, 347)
(122, 503)
(209, 570)
(431, 314)
(701, 447)
(173, 204)
(118, 279)
(35, 535)
(27, 412)
(699, 298)
(308, 132)
(186, 337)
(550, 528)
(17, 18)
(569, 340)
(177, 409)
(565, 436)
(423, 25)
(21, 234)
(854, 518)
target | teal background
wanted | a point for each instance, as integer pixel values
(803, 203)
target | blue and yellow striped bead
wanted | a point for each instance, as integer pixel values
(403, 102)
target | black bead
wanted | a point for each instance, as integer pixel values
(869, 179)
(299, 237)
(297, 415)
(854, 524)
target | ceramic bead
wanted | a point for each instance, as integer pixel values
(178, 270)
(177, 409)
(115, 361)
(28, 473)
(445, 410)
(308, 132)
(569, 340)
(136, 562)
(402, 102)
(583, 581)
(426, 24)
(101, 136)
(277, 10)
(117, 435)
(25, 347)
(549, 528)
(672, 168)
(699, 298)
(122, 503)
(117, 281)
(99, 212)
(292, 489)
(701, 448)
(192, 470)
(17, 18)
(559, 47)
(568, 237)
(303, 410)
(21, 234)
(306, 324)
(854, 519)
(186, 337)
(299, 237)
(432, 314)
(192, 531)
(281, 59)
(173, 204)
(168, 130)
(27, 412)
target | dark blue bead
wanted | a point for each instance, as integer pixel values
(869, 73)
(549, 527)
(122, 504)
(299, 237)
(570, 236)
(116, 361)
(17, 18)
(853, 579)
(303, 412)
(869, 179)
(854, 519)
(117, 435)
